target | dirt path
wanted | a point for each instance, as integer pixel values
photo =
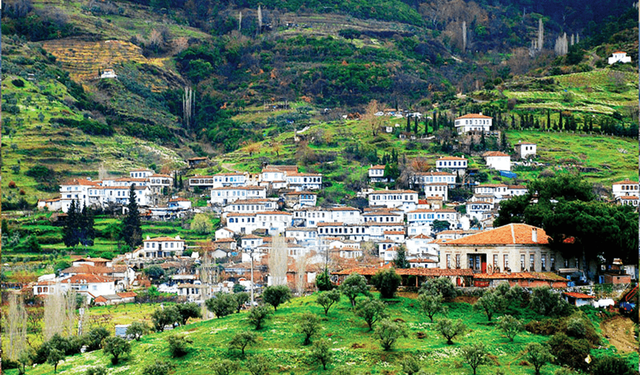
(228, 166)
(619, 331)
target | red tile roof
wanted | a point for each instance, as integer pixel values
(625, 181)
(429, 272)
(509, 234)
(473, 115)
(163, 239)
(86, 278)
(494, 153)
(127, 294)
(578, 295)
(546, 276)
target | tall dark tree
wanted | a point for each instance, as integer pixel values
(131, 230)
(87, 233)
(70, 232)
(401, 258)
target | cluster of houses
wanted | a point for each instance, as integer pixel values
(439, 237)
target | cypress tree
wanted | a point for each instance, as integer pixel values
(70, 230)
(181, 186)
(408, 124)
(87, 233)
(131, 231)
(415, 126)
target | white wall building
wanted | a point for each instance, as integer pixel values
(405, 199)
(619, 56)
(473, 122)
(160, 247)
(230, 194)
(625, 188)
(497, 160)
(452, 163)
(525, 149)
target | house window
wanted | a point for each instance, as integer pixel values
(532, 263)
(522, 262)
(495, 261)
(457, 260)
(543, 261)
(448, 260)
(506, 261)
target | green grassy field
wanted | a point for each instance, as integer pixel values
(352, 345)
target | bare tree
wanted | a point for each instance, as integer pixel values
(562, 45)
(372, 121)
(464, 36)
(54, 313)
(70, 302)
(540, 35)
(240, 21)
(278, 259)
(16, 328)
(187, 106)
(301, 270)
(259, 19)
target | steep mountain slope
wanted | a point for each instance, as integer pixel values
(311, 62)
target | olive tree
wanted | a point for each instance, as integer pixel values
(276, 295)
(354, 285)
(510, 326)
(242, 339)
(475, 355)
(308, 324)
(388, 332)
(371, 311)
(328, 299)
(116, 346)
(449, 329)
(432, 304)
(258, 315)
(538, 355)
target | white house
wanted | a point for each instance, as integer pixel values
(179, 203)
(376, 174)
(202, 182)
(422, 247)
(230, 179)
(108, 73)
(619, 56)
(497, 160)
(307, 237)
(422, 178)
(628, 200)
(157, 182)
(251, 205)
(525, 149)
(479, 209)
(224, 232)
(304, 181)
(78, 190)
(515, 190)
(578, 299)
(382, 216)
(50, 204)
(160, 247)
(452, 163)
(437, 189)
(405, 199)
(230, 194)
(496, 190)
(344, 214)
(141, 173)
(473, 122)
(274, 221)
(625, 188)
(301, 198)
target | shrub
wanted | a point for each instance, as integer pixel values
(570, 352)
(158, 368)
(538, 355)
(225, 367)
(609, 365)
(450, 329)
(258, 365)
(510, 326)
(100, 370)
(188, 310)
(178, 345)
(323, 281)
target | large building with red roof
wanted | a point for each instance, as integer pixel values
(473, 122)
(510, 248)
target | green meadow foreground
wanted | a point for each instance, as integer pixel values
(354, 348)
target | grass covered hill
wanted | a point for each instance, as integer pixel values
(353, 348)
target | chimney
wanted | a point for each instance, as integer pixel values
(480, 113)
(534, 235)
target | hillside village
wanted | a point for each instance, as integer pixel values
(437, 236)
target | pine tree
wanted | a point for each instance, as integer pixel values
(131, 231)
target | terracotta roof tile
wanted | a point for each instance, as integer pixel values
(473, 115)
(505, 235)
(578, 295)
